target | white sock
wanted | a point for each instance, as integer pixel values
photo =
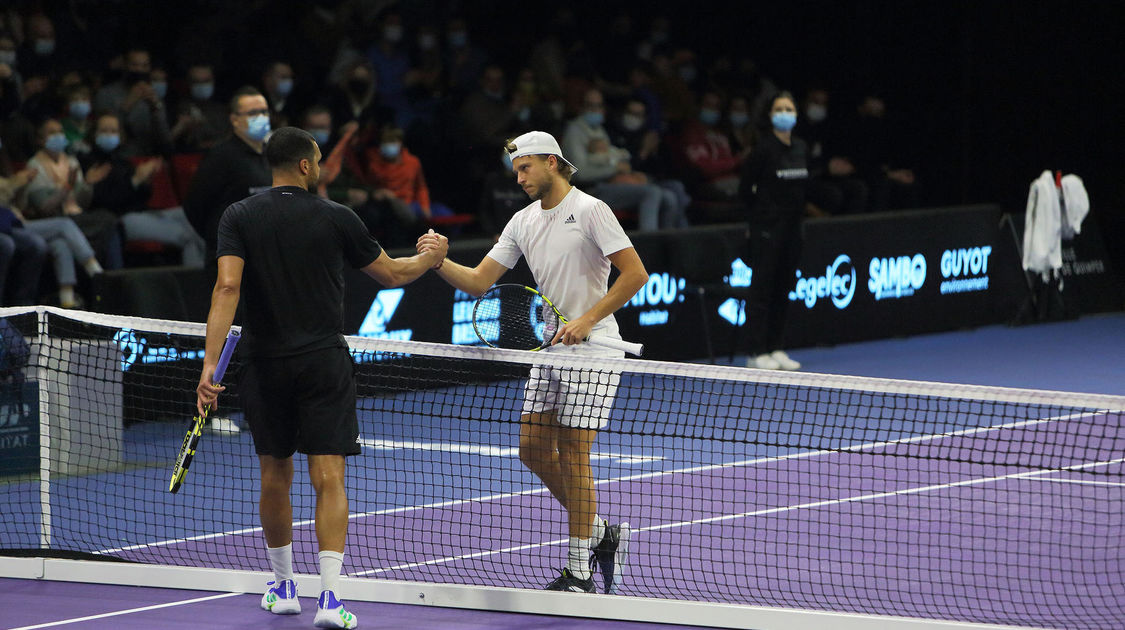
(578, 560)
(66, 296)
(598, 531)
(281, 561)
(330, 564)
(93, 267)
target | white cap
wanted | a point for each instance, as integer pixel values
(537, 143)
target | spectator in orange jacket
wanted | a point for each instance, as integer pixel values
(396, 172)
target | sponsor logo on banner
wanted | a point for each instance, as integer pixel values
(896, 277)
(654, 297)
(965, 269)
(837, 284)
(382, 309)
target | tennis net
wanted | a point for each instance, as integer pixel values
(765, 490)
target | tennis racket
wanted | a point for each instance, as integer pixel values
(517, 317)
(195, 431)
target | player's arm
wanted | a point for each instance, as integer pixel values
(474, 281)
(395, 272)
(224, 302)
(633, 276)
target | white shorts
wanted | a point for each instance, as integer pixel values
(581, 397)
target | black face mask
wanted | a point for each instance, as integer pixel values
(135, 77)
(358, 86)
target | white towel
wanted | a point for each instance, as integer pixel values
(1042, 242)
(1077, 205)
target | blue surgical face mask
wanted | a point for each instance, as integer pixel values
(202, 91)
(8, 57)
(107, 141)
(390, 150)
(44, 46)
(258, 127)
(594, 119)
(161, 88)
(80, 109)
(458, 39)
(783, 121)
(284, 86)
(56, 143)
(709, 116)
(632, 122)
(320, 135)
(739, 119)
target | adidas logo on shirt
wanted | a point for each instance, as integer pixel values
(570, 219)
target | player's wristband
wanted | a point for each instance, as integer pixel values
(438, 266)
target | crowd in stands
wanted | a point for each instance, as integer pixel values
(113, 152)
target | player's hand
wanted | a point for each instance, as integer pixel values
(434, 245)
(207, 393)
(573, 332)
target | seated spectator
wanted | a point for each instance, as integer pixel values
(40, 54)
(628, 130)
(464, 61)
(124, 189)
(356, 97)
(279, 87)
(391, 63)
(76, 119)
(741, 130)
(135, 102)
(879, 151)
(22, 252)
(704, 154)
(833, 186)
(501, 197)
(396, 174)
(201, 120)
(606, 172)
(59, 189)
(318, 122)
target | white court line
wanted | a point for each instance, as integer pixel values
(634, 477)
(1081, 481)
(126, 612)
(486, 450)
(762, 512)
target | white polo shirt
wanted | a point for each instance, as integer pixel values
(566, 248)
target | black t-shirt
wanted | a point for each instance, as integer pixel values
(774, 178)
(230, 172)
(295, 245)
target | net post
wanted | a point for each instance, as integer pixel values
(41, 375)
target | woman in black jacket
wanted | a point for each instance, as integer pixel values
(773, 187)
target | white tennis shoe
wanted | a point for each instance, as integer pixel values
(784, 361)
(763, 362)
(281, 599)
(330, 613)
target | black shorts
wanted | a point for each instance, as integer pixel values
(302, 403)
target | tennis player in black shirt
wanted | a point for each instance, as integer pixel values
(283, 252)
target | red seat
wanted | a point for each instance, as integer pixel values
(452, 219)
(163, 193)
(184, 166)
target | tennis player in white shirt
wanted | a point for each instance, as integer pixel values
(570, 239)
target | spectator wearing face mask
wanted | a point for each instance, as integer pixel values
(136, 103)
(124, 189)
(76, 119)
(606, 171)
(834, 184)
(391, 63)
(395, 172)
(39, 54)
(22, 252)
(464, 61)
(279, 86)
(232, 170)
(703, 153)
(201, 120)
(630, 130)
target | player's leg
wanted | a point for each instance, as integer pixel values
(540, 454)
(539, 449)
(585, 409)
(329, 432)
(263, 400)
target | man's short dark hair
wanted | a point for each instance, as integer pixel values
(246, 90)
(288, 146)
